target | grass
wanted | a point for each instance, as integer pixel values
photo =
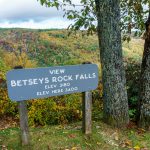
(133, 49)
(70, 137)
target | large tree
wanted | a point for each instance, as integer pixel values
(144, 101)
(136, 15)
(113, 75)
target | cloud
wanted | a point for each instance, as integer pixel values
(30, 13)
(58, 23)
(22, 10)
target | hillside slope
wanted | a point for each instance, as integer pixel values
(43, 48)
(55, 47)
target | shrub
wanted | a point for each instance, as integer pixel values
(133, 75)
(7, 107)
(55, 110)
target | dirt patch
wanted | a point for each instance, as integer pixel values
(8, 122)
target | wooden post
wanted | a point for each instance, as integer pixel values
(87, 110)
(23, 122)
(23, 119)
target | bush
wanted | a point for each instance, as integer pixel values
(7, 107)
(55, 110)
(133, 74)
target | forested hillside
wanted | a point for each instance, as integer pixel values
(57, 47)
(49, 47)
(41, 48)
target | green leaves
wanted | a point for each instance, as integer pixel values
(84, 13)
(133, 14)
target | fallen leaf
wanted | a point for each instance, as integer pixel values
(141, 131)
(136, 147)
(98, 143)
(115, 136)
(128, 143)
(4, 147)
(74, 148)
(71, 135)
(123, 145)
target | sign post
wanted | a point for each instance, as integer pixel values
(24, 122)
(87, 112)
(22, 106)
(26, 84)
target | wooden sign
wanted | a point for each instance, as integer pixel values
(25, 84)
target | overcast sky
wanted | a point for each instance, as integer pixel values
(30, 14)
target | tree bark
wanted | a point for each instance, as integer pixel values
(113, 74)
(144, 103)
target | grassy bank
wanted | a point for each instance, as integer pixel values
(70, 137)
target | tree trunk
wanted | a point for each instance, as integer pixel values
(113, 74)
(144, 103)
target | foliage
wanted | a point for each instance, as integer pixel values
(3, 67)
(11, 59)
(2, 70)
(56, 110)
(65, 51)
(7, 107)
(7, 61)
(97, 102)
(133, 15)
(133, 79)
(84, 15)
(52, 54)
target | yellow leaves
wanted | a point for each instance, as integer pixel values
(78, 111)
(132, 146)
(98, 143)
(74, 148)
(128, 143)
(45, 36)
(141, 131)
(116, 137)
(24, 61)
(6, 106)
(137, 147)
(13, 59)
